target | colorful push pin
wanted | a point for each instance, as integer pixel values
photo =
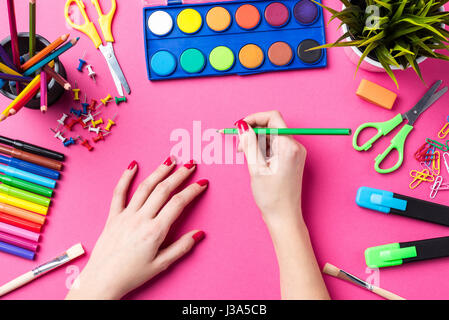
(111, 123)
(85, 105)
(75, 112)
(119, 100)
(81, 122)
(82, 63)
(106, 100)
(99, 137)
(58, 135)
(76, 93)
(69, 142)
(92, 104)
(91, 73)
(85, 143)
(95, 123)
(61, 122)
(70, 125)
(96, 130)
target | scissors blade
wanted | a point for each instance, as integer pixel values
(114, 67)
(426, 101)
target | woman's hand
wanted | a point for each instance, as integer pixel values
(276, 168)
(128, 252)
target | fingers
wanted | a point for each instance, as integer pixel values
(250, 146)
(172, 210)
(163, 189)
(270, 119)
(121, 190)
(178, 249)
(149, 184)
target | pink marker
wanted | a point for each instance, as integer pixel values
(19, 242)
(19, 232)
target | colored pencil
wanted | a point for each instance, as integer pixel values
(58, 78)
(44, 52)
(5, 69)
(51, 57)
(4, 56)
(293, 131)
(13, 32)
(11, 77)
(43, 91)
(25, 96)
(32, 33)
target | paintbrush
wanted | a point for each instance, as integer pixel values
(341, 274)
(72, 253)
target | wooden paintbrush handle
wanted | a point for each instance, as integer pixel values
(386, 294)
(16, 283)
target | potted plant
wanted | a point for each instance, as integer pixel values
(389, 35)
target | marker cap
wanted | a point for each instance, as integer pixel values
(388, 255)
(379, 200)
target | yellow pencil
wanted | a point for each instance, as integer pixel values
(36, 82)
(5, 69)
(23, 204)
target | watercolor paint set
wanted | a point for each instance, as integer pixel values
(232, 37)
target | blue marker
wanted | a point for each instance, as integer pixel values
(30, 177)
(29, 167)
(17, 251)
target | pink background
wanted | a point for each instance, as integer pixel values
(236, 260)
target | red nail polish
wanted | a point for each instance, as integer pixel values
(198, 236)
(168, 162)
(189, 165)
(203, 182)
(132, 165)
(242, 126)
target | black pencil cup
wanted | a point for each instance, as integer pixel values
(54, 92)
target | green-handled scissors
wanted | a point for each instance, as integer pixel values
(384, 128)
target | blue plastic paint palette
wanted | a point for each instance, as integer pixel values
(235, 37)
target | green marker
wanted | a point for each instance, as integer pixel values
(24, 195)
(25, 185)
(388, 255)
(295, 131)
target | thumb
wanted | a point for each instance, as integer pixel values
(250, 146)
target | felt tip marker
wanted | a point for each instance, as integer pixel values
(30, 157)
(18, 241)
(30, 177)
(23, 204)
(31, 148)
(17, 251)
(22, 214)
(20, 223)
(29, 167)
(24, 195)
(25, 185)
(29, 235)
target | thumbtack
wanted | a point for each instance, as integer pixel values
(85, 105)
(58, 135)
(92, 104)
(97, 122)
(106, 100)
(62, 120)
(85, 143)
(100, 137)
(96, 130)
(80, 121)
(120, 100)
(75, 112)
(110, 123)
(76, 93)
(69, 142)
(90, 117)
(70, 125)
(82, 63)
(91, 73)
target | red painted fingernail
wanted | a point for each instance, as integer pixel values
(189, 165)
(132, 165)
(199, 236)
(203, 182)
(168, 162)
(241, 125)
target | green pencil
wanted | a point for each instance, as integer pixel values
(32, 34)
(295, 131)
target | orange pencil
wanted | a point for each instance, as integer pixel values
(44, 52)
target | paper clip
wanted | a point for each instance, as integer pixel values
(419, 177)
(436, 163)
(424, 165)
(444, 131)
(421, 153)
(436, 187)
(446, 162)
(438, 145)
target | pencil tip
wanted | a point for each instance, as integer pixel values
(220, 131)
